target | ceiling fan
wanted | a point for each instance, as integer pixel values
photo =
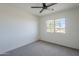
(44, 6)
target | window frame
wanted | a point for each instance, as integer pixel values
(62, 30)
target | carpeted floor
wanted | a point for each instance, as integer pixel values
(41, 48)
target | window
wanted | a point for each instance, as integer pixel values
(57, 25)
(60, 25)
(50, 26)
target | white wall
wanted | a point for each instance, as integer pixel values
(71, 37)
(17, 28)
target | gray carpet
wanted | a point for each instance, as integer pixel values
(41, 48)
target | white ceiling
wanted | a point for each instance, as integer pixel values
(58, 7)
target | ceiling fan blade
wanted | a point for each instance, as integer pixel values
(51, 4)
(41, 11)
(37, 7)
